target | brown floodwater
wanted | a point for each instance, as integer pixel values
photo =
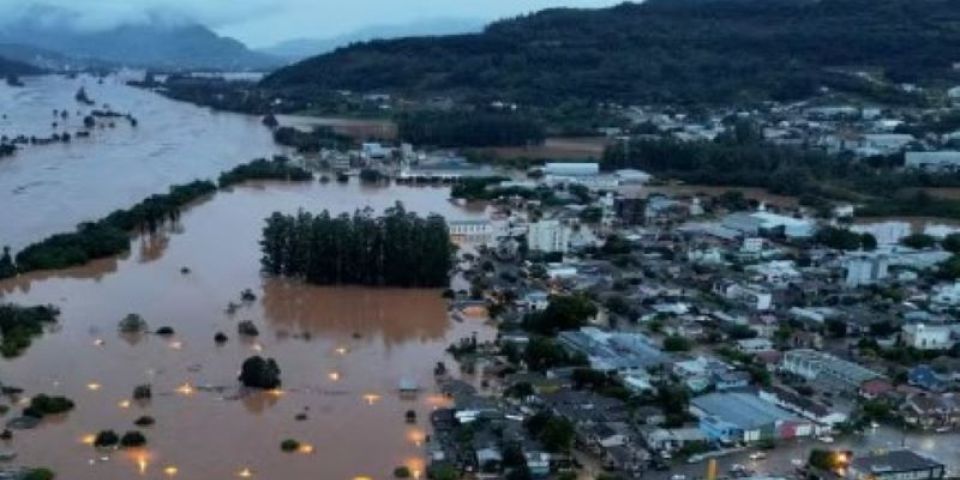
(49, 189)
(342, 352)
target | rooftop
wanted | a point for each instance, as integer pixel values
(745, 410)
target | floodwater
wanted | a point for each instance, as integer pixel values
(49, 189)
(342, 352)
(779, 462)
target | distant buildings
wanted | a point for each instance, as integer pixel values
(767, 223)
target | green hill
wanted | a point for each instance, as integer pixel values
(660, 51)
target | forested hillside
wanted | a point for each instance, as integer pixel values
(13, 67)
(661, 50)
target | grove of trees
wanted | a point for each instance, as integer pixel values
(399, 248)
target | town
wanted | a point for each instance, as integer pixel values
(647, 328)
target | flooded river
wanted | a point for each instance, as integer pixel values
(342, 352)
(50, 188)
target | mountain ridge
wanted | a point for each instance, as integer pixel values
(657, 51)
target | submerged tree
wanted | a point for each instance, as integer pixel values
(399, 248)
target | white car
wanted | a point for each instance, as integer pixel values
(826, 439)
(758, 456)
(678, 477)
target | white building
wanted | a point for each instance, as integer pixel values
(571, 169)
(475, 232)
(886, 233)
(549, 236)
(866, 269)
(927, 337)
(947, 160)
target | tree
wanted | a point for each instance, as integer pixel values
(543, 354)
(40, 474)
(106, 438)
(7, 268)
(919, 241)
(564, 312)
(868, 242)
(675, 343)
(557, 435)
(260, 373)
(951, 243)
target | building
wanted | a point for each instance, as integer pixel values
(767, 223)
(866, 269)
(804, 406)
(741, 417)
(895, 465)
(827, 370)
(942, 161)
(629, 176)
(571, 169)
(613, 351)
(549, 236)
(476, 232)
(927, 337)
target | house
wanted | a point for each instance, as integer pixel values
(895, 465)
(932, 412)
(735, 417)
(927, 337)
(825, 417)
(672, 439)
(752, 296)
(925, 377)
(754, 345)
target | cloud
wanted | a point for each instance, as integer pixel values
(104, 14)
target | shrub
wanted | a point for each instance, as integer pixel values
(43, 405)
(261, 373)
(142, 392)
(289, 445)
(247, 328)
(165, 331)
(144, 421)
(132, 323)
(40, 474)
(133, 439)
(401, 472)
(106, 438)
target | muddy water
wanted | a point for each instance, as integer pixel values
(49, 189)
(342, 352)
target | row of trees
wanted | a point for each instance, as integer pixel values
(111, 234)
(398, 248)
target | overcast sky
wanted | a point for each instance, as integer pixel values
(264, 22)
